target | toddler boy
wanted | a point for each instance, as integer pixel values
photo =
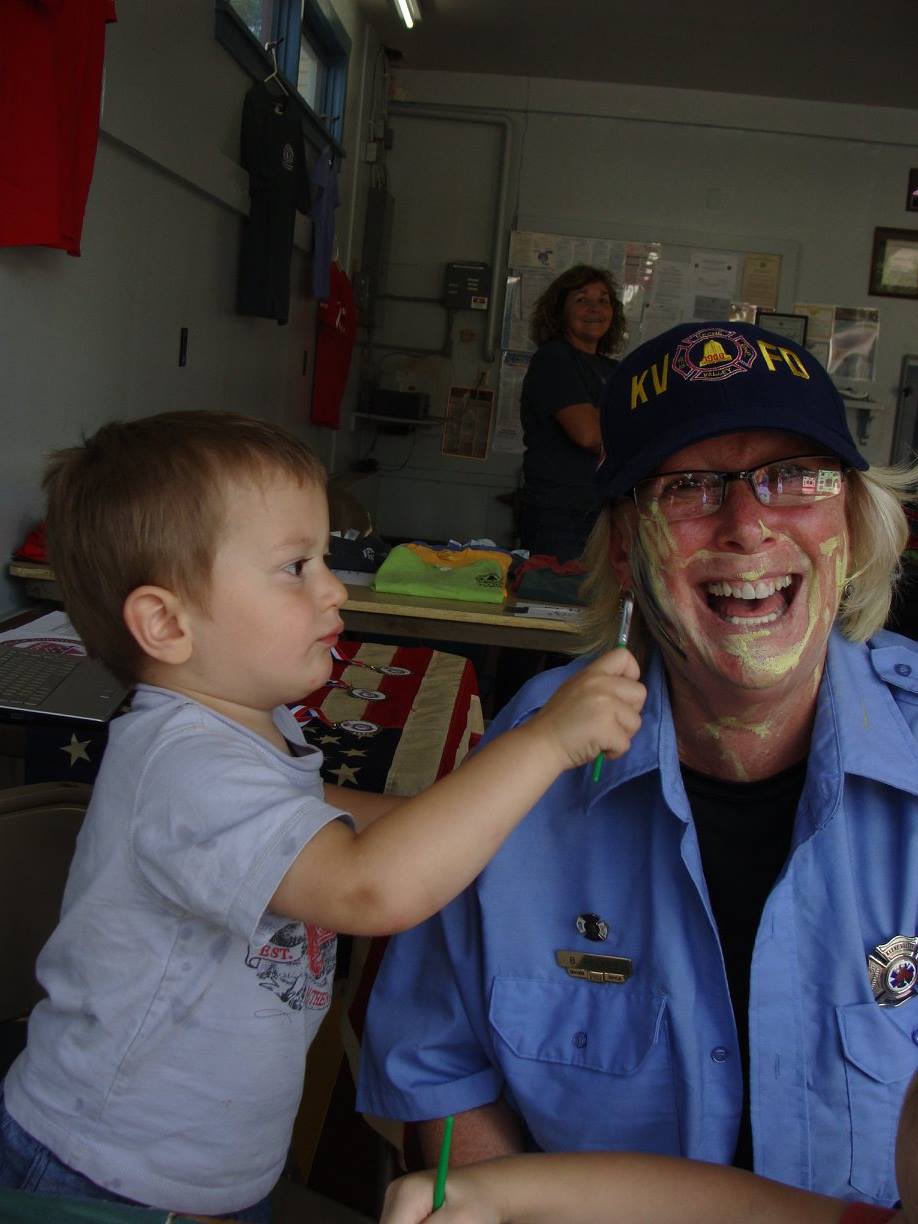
(195, 954)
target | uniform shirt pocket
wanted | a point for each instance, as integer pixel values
(588, 1066)
(879, 1044)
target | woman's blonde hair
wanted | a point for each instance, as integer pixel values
(877, 535)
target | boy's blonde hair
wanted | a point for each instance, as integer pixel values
(143, 502)
(877, 535)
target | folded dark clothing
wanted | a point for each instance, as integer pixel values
(365, 554)
(543, 577)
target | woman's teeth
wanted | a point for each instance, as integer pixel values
(748, 590)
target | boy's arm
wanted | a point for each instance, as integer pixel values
(606, 1188)
(478, 1134)
(364, 806)
(398, 871)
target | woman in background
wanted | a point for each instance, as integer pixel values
(577, 323)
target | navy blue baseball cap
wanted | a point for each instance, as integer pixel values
(700, 380)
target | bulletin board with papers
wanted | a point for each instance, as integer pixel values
(673, 277)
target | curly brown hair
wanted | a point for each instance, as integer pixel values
(547, 322)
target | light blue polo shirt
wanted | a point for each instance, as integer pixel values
(472, 1005)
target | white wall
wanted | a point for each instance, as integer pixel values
(591, 158)
(87, 339)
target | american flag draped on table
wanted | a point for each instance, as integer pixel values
(397, 730)
(415, 725)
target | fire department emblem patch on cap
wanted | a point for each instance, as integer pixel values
(713, 353)
(893, 970)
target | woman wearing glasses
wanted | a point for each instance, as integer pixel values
(713, 950)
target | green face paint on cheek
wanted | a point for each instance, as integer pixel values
(655, 530)
(828, 547)
(653, 553)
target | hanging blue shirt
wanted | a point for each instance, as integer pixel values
(472, 1006)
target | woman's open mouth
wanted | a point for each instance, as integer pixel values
(749, 604)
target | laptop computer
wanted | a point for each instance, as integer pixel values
(47, 684)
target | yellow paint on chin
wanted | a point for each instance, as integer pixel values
(744, 645)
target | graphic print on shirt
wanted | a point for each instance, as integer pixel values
(297, 964)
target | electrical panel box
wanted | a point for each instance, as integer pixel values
(406, 405)
(468, 286)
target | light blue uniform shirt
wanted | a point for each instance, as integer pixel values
(471, 1005)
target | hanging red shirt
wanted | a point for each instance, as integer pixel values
(51, 56)
(335, 334)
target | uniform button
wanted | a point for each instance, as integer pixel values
(915, 1035)
(719, 1054)
(580, 1040)
(902, 669)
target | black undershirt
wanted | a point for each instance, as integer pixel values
(744, 833)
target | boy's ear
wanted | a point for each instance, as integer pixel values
(159, 624)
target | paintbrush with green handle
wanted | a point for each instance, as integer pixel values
(621, 639)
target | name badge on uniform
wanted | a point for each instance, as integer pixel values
(593, 968)
(893, 970)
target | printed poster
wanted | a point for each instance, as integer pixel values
(508, 429)
(467, 425)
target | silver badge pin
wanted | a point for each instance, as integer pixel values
(363, 694)
(893, 970)
(359, 726)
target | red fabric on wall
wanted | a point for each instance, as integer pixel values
(51, 56)
(335, 334)
(35, 546)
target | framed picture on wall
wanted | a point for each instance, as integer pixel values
(894, 263)
(792, 326)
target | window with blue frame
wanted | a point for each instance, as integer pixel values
(311, 47)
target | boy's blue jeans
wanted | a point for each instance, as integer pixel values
(26, 1164)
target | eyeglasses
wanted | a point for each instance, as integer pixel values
(799, 480)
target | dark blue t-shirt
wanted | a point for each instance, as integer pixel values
(558, 473)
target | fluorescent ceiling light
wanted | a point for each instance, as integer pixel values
(409, 11)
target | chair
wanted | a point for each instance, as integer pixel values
(38, 829)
